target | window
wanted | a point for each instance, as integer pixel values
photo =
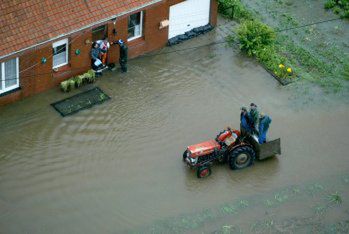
(135, 25)
(9, 75)
(60, 53)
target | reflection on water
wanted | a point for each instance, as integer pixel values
(118, 165)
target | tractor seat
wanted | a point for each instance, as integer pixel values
(229, 140)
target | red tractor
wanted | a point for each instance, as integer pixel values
(238, 149)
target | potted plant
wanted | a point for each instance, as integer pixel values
(65, 86)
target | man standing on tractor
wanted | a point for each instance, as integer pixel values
(254, 115)
(264, 122)
(245, 121)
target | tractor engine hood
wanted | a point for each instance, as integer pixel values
(203, 148)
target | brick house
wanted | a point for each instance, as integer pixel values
(46, 42)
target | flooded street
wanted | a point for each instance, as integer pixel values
(117, 167)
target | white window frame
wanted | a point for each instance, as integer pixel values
(2, 77)
(59, 43)
(140, 30)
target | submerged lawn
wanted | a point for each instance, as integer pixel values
(315, 207)
(318, 53)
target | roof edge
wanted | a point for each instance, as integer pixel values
(80, 29)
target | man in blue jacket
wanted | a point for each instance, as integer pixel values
(264, 123)
(245, 120)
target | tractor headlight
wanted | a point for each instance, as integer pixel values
(193, 160)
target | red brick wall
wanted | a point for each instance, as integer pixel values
(41, 77)
(213, 12)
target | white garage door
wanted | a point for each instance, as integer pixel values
(187, 15)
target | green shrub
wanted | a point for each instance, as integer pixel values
(254, 36)
(330, 4)
(345, 14)
(339, 7)
(336, 10)
(233, 9)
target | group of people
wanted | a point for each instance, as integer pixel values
(255, 123)
(99, 54)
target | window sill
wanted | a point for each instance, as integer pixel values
(134, 38)
(10, 91)
(57, 68)
(136, 41)
(64, 67)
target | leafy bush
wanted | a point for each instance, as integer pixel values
(233, 9)
(254, 36)
(330, 4)
(339, 7)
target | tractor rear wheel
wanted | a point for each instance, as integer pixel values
(242, 157)
(203, 172)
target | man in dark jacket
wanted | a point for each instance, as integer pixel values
(123, 56)
(95, 52)
(254, 115)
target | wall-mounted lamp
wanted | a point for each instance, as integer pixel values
(77, 51)
(164, 24)
(114, 29)
(43, 60)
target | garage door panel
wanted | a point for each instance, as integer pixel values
(188, 15)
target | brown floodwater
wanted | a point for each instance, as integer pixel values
(117, 166)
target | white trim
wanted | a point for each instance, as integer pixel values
(2, 77)
(82, 28)
(59, 43)
(140, 29)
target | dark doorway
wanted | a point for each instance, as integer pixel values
(99, 33)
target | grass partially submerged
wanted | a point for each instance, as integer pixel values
(316, 202)
(308, 51)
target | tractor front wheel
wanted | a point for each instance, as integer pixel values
(242, 157)
(203, 172)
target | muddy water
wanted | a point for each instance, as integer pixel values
(117, 166)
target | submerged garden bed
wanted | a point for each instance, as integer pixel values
(80, 101)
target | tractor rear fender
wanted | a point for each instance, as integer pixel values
(232, 148)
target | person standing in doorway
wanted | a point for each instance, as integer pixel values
(95, 52)
(104, 45)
